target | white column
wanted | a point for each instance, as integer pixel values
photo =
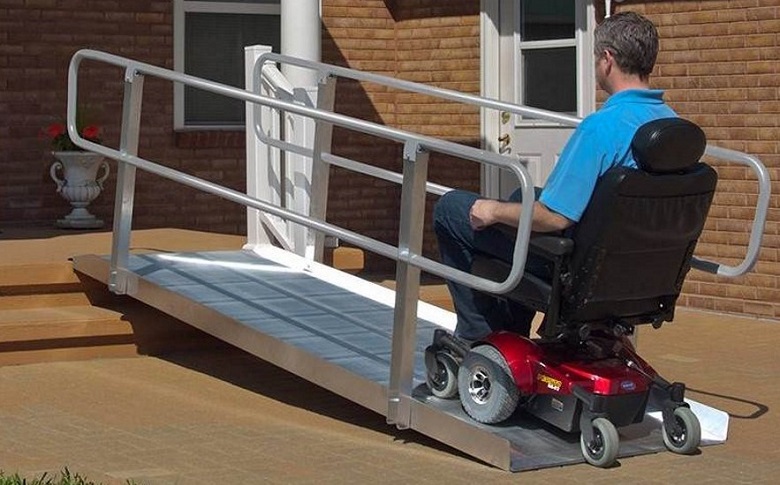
(301, 38)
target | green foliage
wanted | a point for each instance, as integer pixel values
(65, 478)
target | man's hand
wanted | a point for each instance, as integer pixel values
(483, 213)
(486, 212)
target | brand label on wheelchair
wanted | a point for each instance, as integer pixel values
(628, 386)
(553, 384)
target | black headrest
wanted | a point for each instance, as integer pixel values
(668, 145)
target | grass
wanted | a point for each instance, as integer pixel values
(65, 477)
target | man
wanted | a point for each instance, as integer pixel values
(626, 46)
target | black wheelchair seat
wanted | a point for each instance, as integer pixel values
(627, 258)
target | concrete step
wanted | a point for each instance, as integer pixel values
(43, 300)
(80, 332)
(30, 335)
(18, 356)
(50, 313)
(21, 279)
(345, 258)
(57, 323)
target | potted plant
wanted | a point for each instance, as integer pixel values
(79, 184)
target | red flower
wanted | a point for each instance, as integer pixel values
(55, 129)
(57, 133)
(90, 132)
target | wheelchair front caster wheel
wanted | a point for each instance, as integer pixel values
(442, 378)
(684, 434)
(602, 450)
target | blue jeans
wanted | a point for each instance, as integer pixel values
(479, 313)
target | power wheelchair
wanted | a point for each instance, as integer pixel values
(623, 266)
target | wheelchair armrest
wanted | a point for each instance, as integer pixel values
(536, 293)
(544, 244)
(532, 291)
(551, 246)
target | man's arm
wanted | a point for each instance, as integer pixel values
(486, 212)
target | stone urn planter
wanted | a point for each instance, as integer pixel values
(79, 185)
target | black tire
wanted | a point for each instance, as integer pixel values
(443, 380)
(687, 436)
(486, 387)
(602, 451)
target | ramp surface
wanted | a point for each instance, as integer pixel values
(336, 330)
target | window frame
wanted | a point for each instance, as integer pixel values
(180, 9)
(584, 72)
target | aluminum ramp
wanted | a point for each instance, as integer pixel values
(328, 327)
(335, 330)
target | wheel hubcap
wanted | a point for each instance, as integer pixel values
(678, 435)
(596, 446)
(479, 386)
(440, 378)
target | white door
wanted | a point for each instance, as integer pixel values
(544, 60)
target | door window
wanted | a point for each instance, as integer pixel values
(548, 55)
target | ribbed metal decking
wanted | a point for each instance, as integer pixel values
(335, 330)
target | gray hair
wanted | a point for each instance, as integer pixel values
(631, 39)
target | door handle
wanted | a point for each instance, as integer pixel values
(503, 142)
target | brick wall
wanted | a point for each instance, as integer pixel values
(408, 39)
(720, 65)
(413, 40)
(37, 39)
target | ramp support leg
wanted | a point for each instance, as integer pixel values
(323, 140)
(415, 172)
(119, 280)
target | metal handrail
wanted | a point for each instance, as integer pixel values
(418, 142)
(759, 218)
(268, 59)
(325, 70)
(466, 152)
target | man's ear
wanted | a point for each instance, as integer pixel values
(610, 60)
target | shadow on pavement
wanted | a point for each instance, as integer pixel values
(761, 409)
(258, 376)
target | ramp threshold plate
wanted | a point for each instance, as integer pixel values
(335, 330)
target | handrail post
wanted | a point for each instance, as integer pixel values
(320, 174)
(118, 281)
(410, 237)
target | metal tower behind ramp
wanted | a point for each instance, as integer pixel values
(348, 335)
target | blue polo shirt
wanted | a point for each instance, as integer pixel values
(600, 142)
